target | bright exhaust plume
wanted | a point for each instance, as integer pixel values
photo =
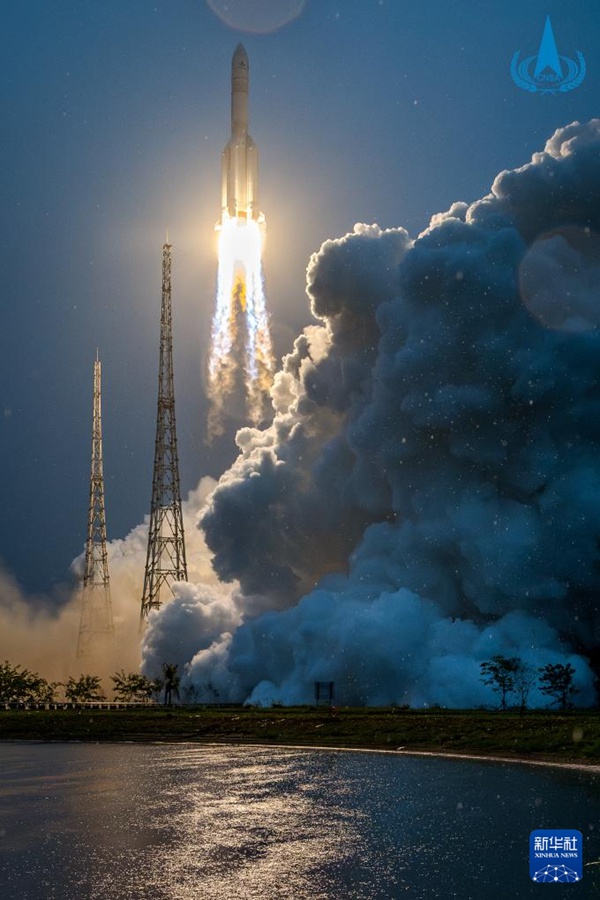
(241, 359)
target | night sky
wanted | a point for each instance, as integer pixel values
(114, 117)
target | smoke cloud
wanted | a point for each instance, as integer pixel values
(41, 633)
(428, 493)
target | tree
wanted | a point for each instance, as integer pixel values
(556, 680)
(131, 686)
(84, 689)
(500, 673)
(198, 693)
(42, 691)
(13, 683)
(171, 682)
(525, 679)
(18, 685)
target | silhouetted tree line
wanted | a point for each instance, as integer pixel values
(510, 676)
(20, 687)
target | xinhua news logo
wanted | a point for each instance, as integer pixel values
(555, 855)
(548, 72)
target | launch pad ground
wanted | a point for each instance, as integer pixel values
(535, 735)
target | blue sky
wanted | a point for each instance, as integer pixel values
(114, 117)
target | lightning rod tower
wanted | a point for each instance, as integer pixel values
(96, 610)
(165, 559)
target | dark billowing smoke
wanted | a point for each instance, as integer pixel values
(428, 493)
(286, 511)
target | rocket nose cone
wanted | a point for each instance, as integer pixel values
(240, 58)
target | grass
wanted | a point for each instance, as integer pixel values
(571, 736)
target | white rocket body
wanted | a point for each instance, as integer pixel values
(239, 191)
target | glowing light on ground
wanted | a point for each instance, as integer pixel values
(241, 356)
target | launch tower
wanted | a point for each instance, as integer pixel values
(96, 610)
(165, 559)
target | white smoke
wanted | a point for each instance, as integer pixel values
(428, 494)
(41, 634)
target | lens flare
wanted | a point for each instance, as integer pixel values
(241, 357)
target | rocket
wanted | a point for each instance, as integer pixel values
(239, 192)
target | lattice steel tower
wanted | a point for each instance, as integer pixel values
(165, 560)
(96, 610)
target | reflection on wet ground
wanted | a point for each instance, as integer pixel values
(187, 822)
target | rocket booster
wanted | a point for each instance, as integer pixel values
(239, 191)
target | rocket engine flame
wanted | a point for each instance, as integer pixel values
(240, 323)
(241, 357)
